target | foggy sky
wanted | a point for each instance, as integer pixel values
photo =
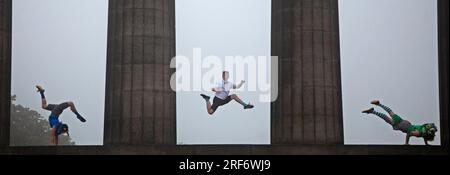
(223, 28)
(388, 52)
(61, 44)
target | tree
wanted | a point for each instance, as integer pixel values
(29, 128)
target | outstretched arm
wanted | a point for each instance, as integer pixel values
(407, 139)
(413, 133)
(426, 142)
(217, 89)
(54, 137)
(239, 85)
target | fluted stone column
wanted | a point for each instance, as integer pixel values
(5, 69)
(443, 42)
(305, 36)
(140, 105)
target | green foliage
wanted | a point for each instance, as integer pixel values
(29, 128)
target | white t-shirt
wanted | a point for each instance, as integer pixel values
(225, 87)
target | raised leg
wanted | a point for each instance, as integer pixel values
(74, 110)
(237, 99)
(387, 109)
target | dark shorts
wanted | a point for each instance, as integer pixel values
(219, 102)
(57, 109)
(400, 124)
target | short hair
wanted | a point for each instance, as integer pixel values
(224, 72)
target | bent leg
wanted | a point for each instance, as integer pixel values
(209, 108)
(44, 103)
(237, 99)
(74, 110)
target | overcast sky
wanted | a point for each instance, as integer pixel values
(61, 44)
(223, 28)
(388, 52)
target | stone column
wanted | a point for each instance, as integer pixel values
(305, 36)
(140, 105)
(5, 70)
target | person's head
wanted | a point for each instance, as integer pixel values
(62, 128)
(430, 131)
(225, 75)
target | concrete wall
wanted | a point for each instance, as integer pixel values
(305, 36)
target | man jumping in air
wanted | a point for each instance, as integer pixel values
(426, 131)
(58, 127)
(222, 96)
